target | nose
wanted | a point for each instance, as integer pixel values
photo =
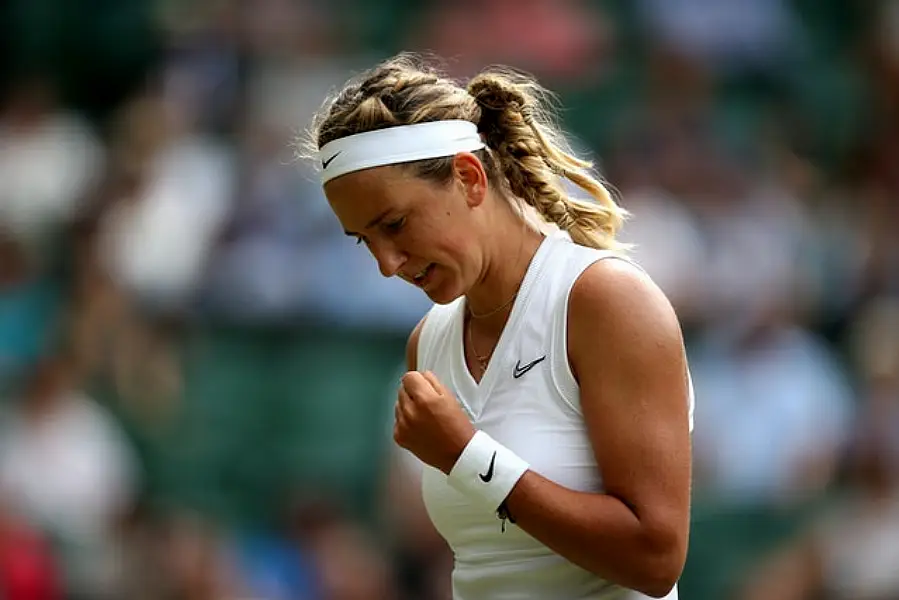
(390, 259)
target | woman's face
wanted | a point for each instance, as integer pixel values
(426, 233)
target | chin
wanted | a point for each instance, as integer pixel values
(444, 294)
(438, 297)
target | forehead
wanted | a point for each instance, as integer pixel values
(358, 197)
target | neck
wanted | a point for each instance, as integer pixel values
(490, 300)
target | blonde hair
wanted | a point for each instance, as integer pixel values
(527, 154)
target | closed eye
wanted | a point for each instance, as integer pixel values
(395, 226)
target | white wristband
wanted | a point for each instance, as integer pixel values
(487, 470)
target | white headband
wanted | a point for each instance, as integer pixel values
(400, 144)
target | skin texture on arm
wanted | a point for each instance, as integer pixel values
(412, 346)
(626, 350)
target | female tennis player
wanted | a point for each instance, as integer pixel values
(548, 394)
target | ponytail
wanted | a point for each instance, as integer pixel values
(534, 157)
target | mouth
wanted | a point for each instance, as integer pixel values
(421, 278)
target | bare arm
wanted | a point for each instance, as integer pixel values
(625, 347)
(412, 346)
(417, 534)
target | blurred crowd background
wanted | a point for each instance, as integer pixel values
(197, 368)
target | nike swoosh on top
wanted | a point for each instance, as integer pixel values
(521, 370)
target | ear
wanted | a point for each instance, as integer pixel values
(470, 174)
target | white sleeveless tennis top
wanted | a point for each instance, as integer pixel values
(535, 412)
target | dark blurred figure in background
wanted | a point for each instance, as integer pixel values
(66, 466)
(850, 549)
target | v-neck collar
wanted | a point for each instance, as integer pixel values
(474, 394)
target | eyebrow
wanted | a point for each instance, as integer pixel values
(371, 223)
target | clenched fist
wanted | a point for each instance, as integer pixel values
(429, 421)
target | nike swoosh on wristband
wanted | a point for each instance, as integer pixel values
(486, 477)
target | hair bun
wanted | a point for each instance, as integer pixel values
(496, 94)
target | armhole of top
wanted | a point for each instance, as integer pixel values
(425, 341)
(692, 398)
(430, 332)
(563, 378)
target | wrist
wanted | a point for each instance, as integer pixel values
(455, 454)
(486, 470)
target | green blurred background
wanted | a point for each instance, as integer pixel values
(198, 369)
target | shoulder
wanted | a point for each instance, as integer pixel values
(412, 345)
(430, 329)
(615, 301)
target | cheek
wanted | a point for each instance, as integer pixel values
(454, 252)
(443, 235)
(441, 242)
